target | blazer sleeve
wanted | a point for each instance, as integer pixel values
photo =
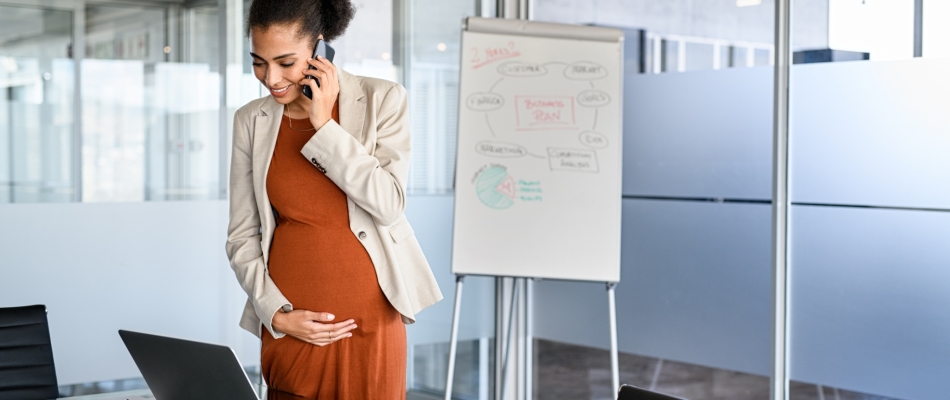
(375, 182)
(244, 237)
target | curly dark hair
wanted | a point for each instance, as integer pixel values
(315, 17)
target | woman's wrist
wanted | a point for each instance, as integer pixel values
(277, 322)
(317, 123)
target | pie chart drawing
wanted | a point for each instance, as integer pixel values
(495, 188)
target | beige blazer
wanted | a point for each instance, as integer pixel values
(367, 156)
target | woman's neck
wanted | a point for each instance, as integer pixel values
(299, 108)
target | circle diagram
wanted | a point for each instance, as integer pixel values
(495, 188)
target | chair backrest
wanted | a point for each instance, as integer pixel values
(628, 392)
(26, 355)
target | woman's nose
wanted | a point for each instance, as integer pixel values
(273, 77)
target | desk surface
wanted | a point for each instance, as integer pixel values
(145, 394)
(128, 394)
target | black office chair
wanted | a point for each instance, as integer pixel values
(26, 355)
(628, 392)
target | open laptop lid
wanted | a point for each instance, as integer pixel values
(176, 369)
(628, 392)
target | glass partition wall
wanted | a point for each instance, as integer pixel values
(146, 116)
(427, 41)
(137, 120)
(693, 301)
(868, 202)
(150, 126)
(870, 206)
(37, 104)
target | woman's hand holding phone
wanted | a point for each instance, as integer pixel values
(312, 327)
(325, 94)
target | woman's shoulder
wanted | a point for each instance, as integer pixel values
(252, 107)
(377, 88)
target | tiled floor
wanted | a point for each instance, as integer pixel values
(569, 372)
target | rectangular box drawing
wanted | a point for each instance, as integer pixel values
(578, 160)
(541, 113)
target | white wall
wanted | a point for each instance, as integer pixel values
(160, 267)
(157, 267)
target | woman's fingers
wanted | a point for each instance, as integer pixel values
(325, 94)
(322, 63)
(340, 329)
(312, 83)
(339, 333)
(329, 333)
(327, 67)
(322, 67)
(334, 336)
(320, 316)
(327, 337)
(338, 325)
(320, 76)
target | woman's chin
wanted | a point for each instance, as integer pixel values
(287, 98)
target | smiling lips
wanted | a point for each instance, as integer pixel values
(280, 92)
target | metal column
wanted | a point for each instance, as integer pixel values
(918, 28)
(780, 203)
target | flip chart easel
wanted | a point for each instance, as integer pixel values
(538, 170)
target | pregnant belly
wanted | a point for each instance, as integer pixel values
(326, 270)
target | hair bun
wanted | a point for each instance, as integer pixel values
(329, 18)
(337, 16)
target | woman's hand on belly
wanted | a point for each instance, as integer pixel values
(312, 327)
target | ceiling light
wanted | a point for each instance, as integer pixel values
(747, 3)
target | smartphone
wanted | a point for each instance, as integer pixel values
(324, 50)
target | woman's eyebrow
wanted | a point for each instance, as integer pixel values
(275, 58)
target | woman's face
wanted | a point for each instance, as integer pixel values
(279, 57)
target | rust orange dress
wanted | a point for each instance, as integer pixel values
(320, 265)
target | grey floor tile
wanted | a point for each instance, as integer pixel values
(569, 372)
(697, 382)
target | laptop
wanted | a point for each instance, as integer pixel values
(628, 392)
(177, 369)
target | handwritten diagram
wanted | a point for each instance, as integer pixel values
(545, 112)
(495, 188)
(539, 115)
(539, 151)
(542, 112)
(487, 55)
(499, 190)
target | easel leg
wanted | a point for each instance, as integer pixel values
(454, 337)
(529, 339)
(511, 323)
(614, 361)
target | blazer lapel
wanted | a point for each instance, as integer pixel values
(265, 133)
(352, 104)
(266, 126)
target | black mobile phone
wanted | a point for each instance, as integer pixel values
(324, 50)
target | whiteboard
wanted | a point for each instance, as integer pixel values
(538, 173)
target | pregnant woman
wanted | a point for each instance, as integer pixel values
(317, 236)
